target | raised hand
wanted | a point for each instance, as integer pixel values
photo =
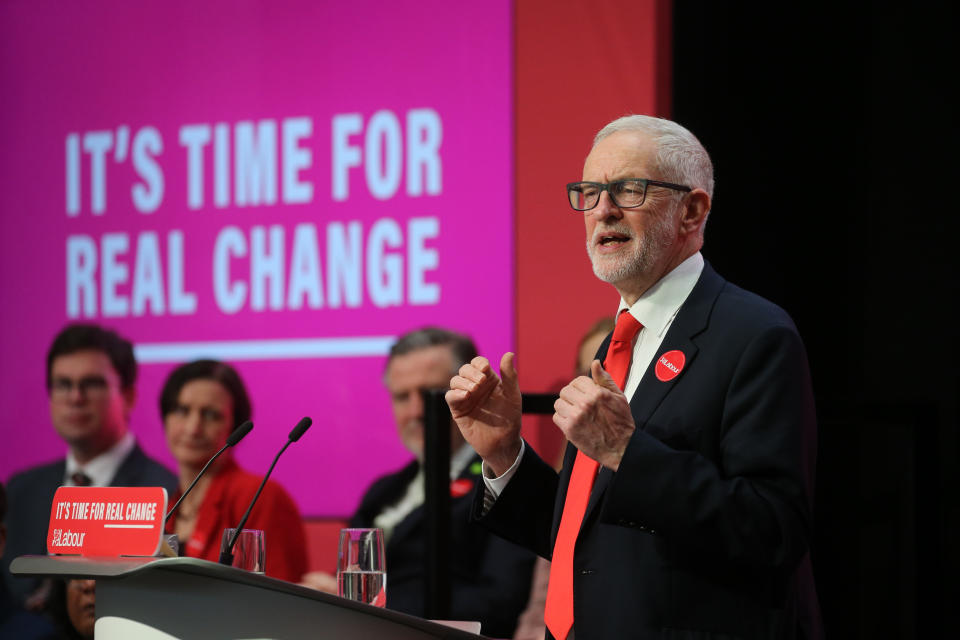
(595, 416)
(487, 408)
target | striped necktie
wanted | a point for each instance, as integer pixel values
(80, 479)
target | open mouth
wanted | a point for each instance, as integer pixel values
(612, 239)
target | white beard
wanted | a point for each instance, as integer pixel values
(646, 249)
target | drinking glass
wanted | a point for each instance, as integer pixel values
(250, 551)
(361, 566)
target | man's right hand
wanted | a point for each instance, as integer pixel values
(487, 408)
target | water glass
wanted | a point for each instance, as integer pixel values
(361, 566)
(250, 551)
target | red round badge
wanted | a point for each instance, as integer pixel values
(460, 487)
(669, 365)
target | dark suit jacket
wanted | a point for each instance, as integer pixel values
(30, 495)
(704, 532)
(490, 577)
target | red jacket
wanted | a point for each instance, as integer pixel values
(227, 498)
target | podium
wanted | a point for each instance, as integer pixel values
(187, 598)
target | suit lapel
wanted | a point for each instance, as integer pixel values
(126, 475)
(691, 320)
(564, 482)
(57, 472)
(652, 390)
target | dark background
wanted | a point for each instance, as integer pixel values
(830, 130)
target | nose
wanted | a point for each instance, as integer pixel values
(84, 586)
(415, 405)
(193, 422)
(606, 208)
(76, 394)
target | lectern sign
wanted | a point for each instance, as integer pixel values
(107, 521)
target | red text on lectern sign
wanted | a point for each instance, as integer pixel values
(107, 521)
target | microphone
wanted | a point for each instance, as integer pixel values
(226, 555)
(235, 436)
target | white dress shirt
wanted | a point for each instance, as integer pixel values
(103, 468)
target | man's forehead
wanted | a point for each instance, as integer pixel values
(416, 366)
(83, 361)
(620, 152)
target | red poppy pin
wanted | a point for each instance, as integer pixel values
(460, 487)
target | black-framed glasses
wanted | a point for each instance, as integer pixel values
(90, 386)
(626, 194)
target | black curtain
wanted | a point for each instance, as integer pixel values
(833, 143)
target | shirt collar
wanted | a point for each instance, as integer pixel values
(658, 305)
(104, 467)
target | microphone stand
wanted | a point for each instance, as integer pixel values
(226, 555)
(233, 439)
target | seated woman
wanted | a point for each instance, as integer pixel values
(72, 607)
(201, 403)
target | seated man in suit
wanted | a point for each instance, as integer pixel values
(91, 376)
(490, 577)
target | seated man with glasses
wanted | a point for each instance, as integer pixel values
(91, 373)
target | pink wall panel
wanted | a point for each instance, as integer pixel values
(283, 185)
(158, 158)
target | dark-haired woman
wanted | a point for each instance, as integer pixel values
(201, 403)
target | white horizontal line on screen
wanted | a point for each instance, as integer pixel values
(128, 526)
(292, 349)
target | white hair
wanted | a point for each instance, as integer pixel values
(680, 156)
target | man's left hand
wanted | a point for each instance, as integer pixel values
(595, 416)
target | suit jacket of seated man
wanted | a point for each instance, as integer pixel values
(489, 577)
(705, 529)
(30, 496)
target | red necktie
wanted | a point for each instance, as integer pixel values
(558, 614)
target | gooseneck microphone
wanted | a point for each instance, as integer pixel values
(235, 436)
(226, 555)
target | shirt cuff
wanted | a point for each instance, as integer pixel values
(495, 486)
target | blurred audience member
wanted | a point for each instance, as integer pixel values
(590, 345)
(530, 626)
(15, 622)
(72, 607)
(201, 403)
(91, 377)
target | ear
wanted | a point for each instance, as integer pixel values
(129, 399)
(696, 206)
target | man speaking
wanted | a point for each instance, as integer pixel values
(683, 508)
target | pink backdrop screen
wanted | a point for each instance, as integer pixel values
(285, 186)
